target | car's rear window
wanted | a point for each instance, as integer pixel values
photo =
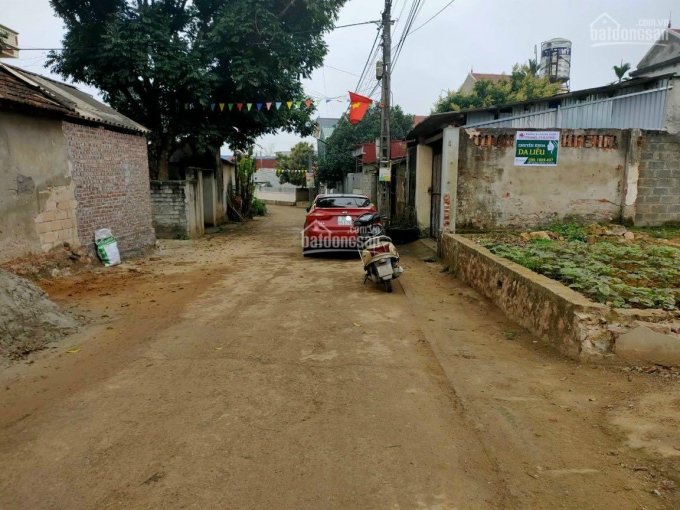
(330, 202)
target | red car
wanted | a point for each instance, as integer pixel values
(329, 225)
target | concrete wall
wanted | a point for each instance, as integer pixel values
(177, 212)
(587, 182)
(37, 206)
(560, 316)
(277, 197)
(111, 178)
(363, 183)
(658, 187)
(673, 105)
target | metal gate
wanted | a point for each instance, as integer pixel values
(436, 195)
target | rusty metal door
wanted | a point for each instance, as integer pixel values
(436, 195)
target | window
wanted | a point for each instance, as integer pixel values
(332, 202)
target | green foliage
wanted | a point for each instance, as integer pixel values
(521, 85)
(258, 207)
(244, 188)
(164, 63)
(624, 275)
(620, 71)
(663, 232)
(570, 231)
(338, 159)
(302, 156)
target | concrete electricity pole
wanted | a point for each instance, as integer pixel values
(385, 137)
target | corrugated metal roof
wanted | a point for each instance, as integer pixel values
(72, 101)
(438, 121)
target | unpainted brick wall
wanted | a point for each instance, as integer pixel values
(111, 176)
(169, 203)
(658, 200)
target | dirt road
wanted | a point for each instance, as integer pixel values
(231, 372)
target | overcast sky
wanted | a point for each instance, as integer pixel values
(484, 35)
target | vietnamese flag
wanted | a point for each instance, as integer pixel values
(358, 105)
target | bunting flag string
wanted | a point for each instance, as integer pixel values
(264, 106)
(280, 171)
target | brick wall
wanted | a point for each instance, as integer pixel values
(111, 177)
(169, 204)
(658, 199)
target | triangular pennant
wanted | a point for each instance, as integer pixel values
(269, 106)
(212, 106)
(258, 106)
(290, 104)
(239, 106)
(249, 106)
(221, 107)
(308, 102)
(297, 104)
(278, 105)
(230, 106)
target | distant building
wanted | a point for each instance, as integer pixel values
(662, 58)
(469, 84)
(324, 129)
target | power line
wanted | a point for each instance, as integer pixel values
(433, 17)
(368, 60)
(373, 22)
(339, 70)
(416, 7)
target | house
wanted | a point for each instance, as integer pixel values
(69, 165)
(618, 152)
(469, 84)
(324, 129)
(662, 58)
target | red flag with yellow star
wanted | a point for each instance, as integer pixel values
(358, 105)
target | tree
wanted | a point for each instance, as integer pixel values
(338, 159)
(521, 85)
(621, 71)
(168, 64)
(533, 67)
(293, 167)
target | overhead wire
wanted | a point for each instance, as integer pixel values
(433, 17)
(413, 14)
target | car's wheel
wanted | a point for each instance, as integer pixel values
(387, 285)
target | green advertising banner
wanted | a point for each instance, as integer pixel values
(537, 148)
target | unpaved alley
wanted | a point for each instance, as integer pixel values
(231, 372)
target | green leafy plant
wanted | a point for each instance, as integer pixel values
(569, 231)
(258, 207)
(622, 275)
(522, 85)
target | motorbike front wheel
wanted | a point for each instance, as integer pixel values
(387, 285)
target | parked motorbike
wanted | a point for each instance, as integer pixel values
(378, 253)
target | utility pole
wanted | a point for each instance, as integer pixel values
(385, 172)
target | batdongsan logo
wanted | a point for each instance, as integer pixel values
(318, 237)
(607, 31)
